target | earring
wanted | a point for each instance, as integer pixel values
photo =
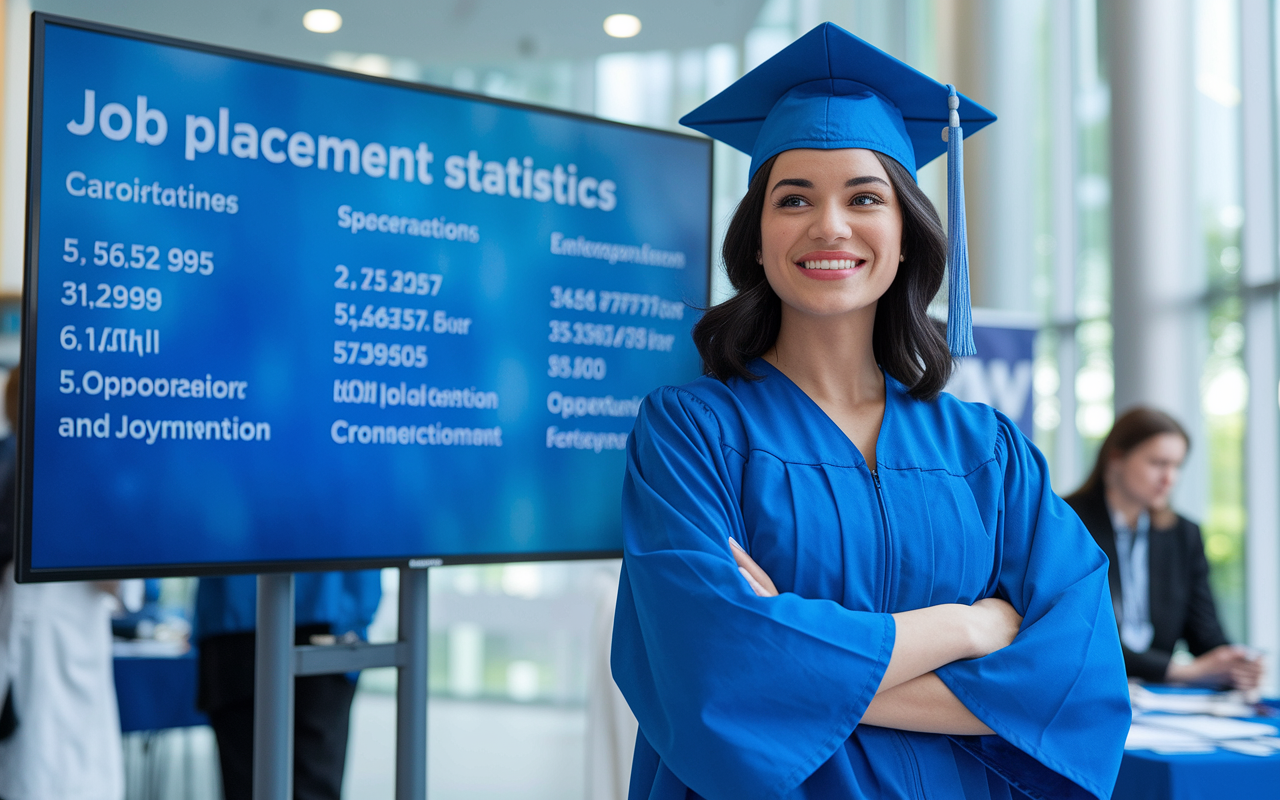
(759, 258)
(902, 257)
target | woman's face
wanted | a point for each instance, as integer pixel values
(1147, 473)
(831, 231)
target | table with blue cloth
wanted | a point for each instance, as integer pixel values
(1146, 775)
(157, 692)
(167, 753)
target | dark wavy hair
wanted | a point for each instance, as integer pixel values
(906, 343)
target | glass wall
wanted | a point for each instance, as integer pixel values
(1224, 384)
(1074, 367)
(1093, 381)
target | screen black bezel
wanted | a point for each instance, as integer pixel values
(23, 572)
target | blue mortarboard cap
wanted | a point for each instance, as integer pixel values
(830, 90)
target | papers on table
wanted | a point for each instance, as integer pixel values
(1168, 723)
(1217, 704)
(1253, 747)
(1211, 728)
(1197, 722)
(1165, 740)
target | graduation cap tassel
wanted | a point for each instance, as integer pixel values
(959, 310)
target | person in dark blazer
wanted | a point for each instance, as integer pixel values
(1159, 575)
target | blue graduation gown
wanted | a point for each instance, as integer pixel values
(740, 696)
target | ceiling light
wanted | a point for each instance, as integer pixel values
(373, 64)
(323, 20)
(622, 26)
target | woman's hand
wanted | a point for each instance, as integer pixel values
(992, 624)
(757, 578)
(1226, 665)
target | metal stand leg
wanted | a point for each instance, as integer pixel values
(411, 688)
(273, 690)
(278, 661)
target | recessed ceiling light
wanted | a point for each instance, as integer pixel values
(622, 26)
(321, 20)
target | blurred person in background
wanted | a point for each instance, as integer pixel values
(8, 486)
(1159, 574)
(63, 726)
(329, 608)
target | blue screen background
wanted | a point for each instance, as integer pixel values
(266, 316)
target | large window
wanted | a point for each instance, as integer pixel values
(1223, 385)
(1075, 377)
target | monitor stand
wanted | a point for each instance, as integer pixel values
(278, 661)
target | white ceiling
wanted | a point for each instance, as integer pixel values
(429, 32)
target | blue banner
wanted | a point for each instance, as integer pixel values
(1001, 374)
(287, 315)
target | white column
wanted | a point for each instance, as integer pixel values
(1067, 467)
(990, 54)
(1258, 273)
(1157, 272)
(1005, 215)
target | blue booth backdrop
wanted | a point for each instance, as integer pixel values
(1001, 373)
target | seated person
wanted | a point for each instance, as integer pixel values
(1159, 576)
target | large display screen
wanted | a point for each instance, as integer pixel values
(285, 317)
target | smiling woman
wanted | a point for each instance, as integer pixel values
(839, 581)
(906, 343)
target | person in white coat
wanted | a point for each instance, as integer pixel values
(55, 661)
(57, 656)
